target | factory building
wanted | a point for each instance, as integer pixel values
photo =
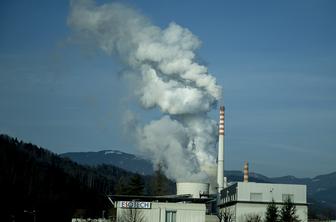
(245, 199)
(174, 208)
(193, 202)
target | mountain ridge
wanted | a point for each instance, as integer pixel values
(77, 157)
(114, 157)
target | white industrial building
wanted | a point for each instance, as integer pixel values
(159, 211)
(194, 203)
(175, 208)
(244, 199)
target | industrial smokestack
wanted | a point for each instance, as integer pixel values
(246, 172)
(220, 169)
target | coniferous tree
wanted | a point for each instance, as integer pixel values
(272, 213)
(121, 187)
(288, 212)
(136, 185)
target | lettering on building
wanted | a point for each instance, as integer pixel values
(135, 204)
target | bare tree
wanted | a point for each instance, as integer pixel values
(253, 218)
(131, 215)
(225, 215)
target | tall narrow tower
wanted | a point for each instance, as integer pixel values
(246, 172)
(220, 164)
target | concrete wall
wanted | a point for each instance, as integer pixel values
(211, 218)
(272, 191)
(184, 212)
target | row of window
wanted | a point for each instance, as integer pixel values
(256, 197)
(259, 197)
(230, 198)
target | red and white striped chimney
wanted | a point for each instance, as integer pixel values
(220, 164)
(246, 172)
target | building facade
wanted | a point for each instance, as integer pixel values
(246, 199)
(164, 212)
(175, 208)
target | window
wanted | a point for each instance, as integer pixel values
(287, 196)
(256, 196)
(170, 216)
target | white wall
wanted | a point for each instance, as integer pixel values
(184, 212)
(242, 204)
(274, 191)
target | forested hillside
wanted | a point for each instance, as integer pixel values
(37, 182)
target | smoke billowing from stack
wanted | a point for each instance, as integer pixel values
(162, 64)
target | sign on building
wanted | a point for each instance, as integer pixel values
(135, 204)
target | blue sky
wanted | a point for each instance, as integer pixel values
(276, 61)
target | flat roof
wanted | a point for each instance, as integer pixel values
(230, 203)
(169, 198)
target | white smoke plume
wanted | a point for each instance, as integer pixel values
(168, 77)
